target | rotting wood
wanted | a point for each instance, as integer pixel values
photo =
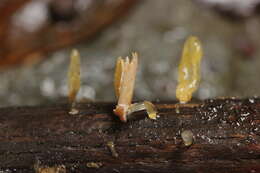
(226, 138)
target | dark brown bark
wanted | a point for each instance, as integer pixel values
(226, 138)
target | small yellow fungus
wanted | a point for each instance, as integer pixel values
(189, 69)
(187, 137)
(125, 74)
(146, 105)
(74, 79)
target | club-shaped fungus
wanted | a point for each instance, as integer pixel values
(74, 79)
(189, 69)
(124, 81)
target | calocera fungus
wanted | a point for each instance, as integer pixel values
(146, 105)
(189, 69)
(74, 79)
(125, 74)
(187, 137)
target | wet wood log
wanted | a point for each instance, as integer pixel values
(226, 138)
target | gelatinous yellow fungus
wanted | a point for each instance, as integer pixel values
(146, 105)
(74, 76)
(124, 84)
(189, 69)
(125, 74)
(187, 137)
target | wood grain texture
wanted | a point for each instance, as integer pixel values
(226, 138)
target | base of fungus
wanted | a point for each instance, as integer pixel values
(121, 112)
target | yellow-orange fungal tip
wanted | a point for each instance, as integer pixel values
(189, 69)
(124, 80)
(74, 76)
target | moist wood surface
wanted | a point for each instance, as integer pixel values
(226, 138)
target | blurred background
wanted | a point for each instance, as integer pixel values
(36, 37)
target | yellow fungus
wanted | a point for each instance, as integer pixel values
(189, 69)
(187, 137)
(146, 105)
(124, 84)
(74, 78)
(125, 74)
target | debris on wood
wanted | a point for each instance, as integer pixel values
(94, 165)
(111, 147)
